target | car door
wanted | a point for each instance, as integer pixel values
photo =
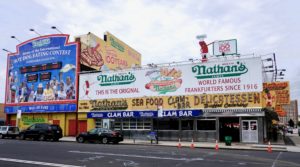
(32, 131)
(93, 135)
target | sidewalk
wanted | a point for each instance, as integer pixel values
(234, 146)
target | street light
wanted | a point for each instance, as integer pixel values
(55, 28)
(14, 37)
(6, 50)
(31, 29)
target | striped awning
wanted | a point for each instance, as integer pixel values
(232, 110)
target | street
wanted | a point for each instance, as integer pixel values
(35, 153)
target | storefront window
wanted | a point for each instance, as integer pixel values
(98, 123)
(166, 124)
(187, 124)
(133, 124)
(206, 124)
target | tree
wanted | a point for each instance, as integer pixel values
(270, 115)
(291, 123)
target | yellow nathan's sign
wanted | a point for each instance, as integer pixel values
(203, 101)
(276, 94)
(107, 55)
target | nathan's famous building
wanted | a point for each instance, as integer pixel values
(100, 83)
(200, 101)
(43, 76)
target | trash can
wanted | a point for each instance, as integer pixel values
(228, 140)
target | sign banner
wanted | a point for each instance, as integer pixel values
(145, 114)
(233, 76)
(41, 108)
(42, 70)
(162, 103)
(225, 47)
(276, 94)
(107, 55)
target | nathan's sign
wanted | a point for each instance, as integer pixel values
(186, 102)
(116, 79)
(31, 120)
(234, 76)
(219, 71)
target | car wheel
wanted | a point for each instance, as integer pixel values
(42, 137)
(80, 139)
(22, 137)
(104, 140)
(55, 139)
(1, 136)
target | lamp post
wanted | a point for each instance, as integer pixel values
(6, 50)
(31, 29)
(14, 37)
(55, 28)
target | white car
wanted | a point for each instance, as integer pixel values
(9, 131)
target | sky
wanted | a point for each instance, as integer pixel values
(163, 30)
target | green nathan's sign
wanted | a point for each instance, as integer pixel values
(219, 71)
(29, 121)
(116, 79)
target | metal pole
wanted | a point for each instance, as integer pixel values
(275, 66)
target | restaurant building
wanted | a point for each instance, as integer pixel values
(200, 101)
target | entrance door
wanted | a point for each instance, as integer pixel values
(72, 127)
(229, 126)
(249, 131)
(82, 126)
(56, 122)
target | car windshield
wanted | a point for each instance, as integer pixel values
(3, 128)
(93, 131)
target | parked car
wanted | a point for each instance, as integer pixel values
(42, 131)
(290, 130)
(9, 131)
(101, 135)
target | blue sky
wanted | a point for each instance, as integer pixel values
(163, 30)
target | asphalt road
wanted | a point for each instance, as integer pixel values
(14, 153)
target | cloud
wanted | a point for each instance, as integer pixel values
(164, 31)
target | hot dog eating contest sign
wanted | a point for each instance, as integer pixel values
(234, 76)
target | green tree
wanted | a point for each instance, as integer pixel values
(291, 123)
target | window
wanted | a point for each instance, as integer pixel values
(133, 124)
(98, 123)
(187, 124)
(209, 124)
(166, 124)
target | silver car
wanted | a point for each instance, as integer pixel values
(9, 131)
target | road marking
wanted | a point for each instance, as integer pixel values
(274, 163)
(138, 156)
(37, 162)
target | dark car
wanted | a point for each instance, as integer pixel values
(42, 131)
(100, 135)
(9, 131)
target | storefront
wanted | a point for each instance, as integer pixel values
(204, 102)
(42, 82)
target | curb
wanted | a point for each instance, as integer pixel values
(255, 147)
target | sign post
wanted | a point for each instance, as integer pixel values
(19, 115)
(159, 115)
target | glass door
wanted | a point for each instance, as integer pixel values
(249, 131)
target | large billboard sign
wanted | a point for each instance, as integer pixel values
(275, 95)
(233, 76)
(107, 55)
(42, 76)
(186, 102)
